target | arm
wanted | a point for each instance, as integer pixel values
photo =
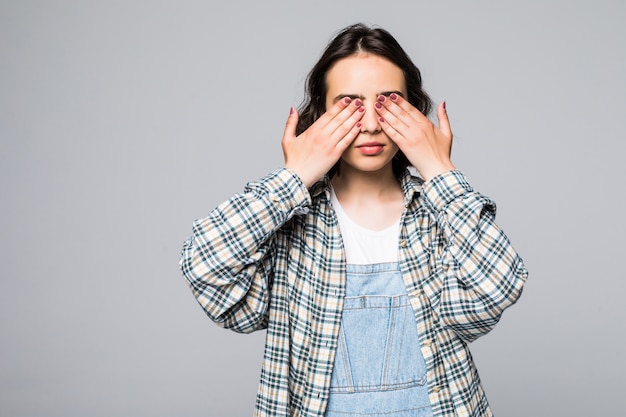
(229, 260)
(476, 272)
(479, 273)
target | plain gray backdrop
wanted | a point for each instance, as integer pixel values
(123, 121)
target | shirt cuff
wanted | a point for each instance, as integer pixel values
(285, 188)
(444, 188)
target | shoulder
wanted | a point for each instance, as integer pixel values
(320, 190)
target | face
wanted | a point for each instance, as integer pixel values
(366, 76)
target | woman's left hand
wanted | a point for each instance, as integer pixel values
(426, 146)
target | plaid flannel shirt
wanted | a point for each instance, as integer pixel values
(272, 257)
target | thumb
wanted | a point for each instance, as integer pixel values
(444, 122)
(291, 125)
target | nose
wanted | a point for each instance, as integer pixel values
(369, 121)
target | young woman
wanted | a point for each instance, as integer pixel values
(369, 281)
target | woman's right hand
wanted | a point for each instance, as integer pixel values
(312, 154)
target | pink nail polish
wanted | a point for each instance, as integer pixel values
(347, 100)
(381, 120)
(381, 98)
(444, 105)
(358, 124)
(393, 96)
(378, 105)
(361, 109)
(290, 110)
(357, 102)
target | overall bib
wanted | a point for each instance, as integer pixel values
(379, 370)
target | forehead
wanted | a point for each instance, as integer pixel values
(364, 74)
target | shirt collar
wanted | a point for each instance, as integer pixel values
(411, 187)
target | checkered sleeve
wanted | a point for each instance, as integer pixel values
(481, 272)
(228, 260)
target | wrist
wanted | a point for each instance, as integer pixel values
(431, 172)
(444, 188)
(307, 178)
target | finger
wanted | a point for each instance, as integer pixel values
(404, 105)
(444, 122)
(336, 110)
(345, 119)
(392, 115)
(349, 130)
(291, 124)
(391, 132)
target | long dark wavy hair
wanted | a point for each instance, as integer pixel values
(352, 40)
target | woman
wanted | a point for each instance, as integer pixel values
(369, 281)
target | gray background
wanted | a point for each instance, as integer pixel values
(122, 121)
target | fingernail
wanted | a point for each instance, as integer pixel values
(290, 110)
(347, 100)
(381, 120)
(378, 105)
(361, 109)
(444, 105)
(357, 102)
(381, 98)
(358, 124)
(393, 96)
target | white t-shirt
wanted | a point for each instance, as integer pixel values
(365, 246)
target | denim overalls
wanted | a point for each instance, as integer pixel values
(379, 369)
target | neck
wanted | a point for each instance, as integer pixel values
(371, 199)
(351, 184)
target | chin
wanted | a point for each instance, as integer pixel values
(368, 166)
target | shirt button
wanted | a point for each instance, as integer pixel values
(403, 243)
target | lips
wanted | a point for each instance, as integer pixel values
(370, 148)
(369, 144)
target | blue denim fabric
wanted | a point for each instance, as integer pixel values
(379, 369)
